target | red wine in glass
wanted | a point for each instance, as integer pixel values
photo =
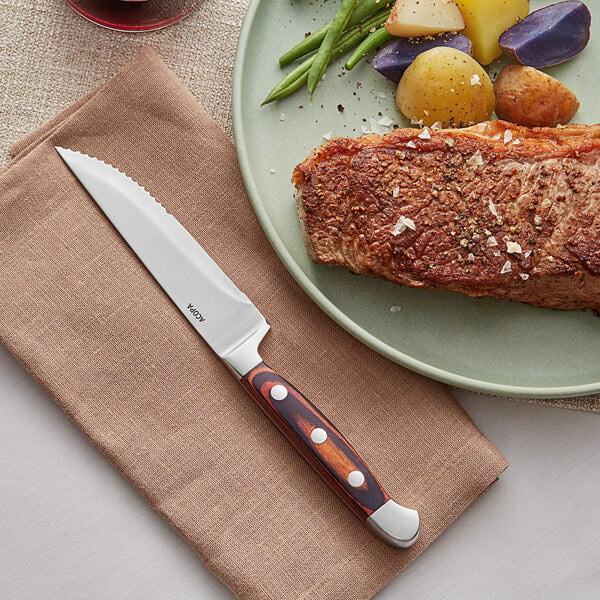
(134, 15)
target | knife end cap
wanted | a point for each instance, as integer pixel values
(394, 524)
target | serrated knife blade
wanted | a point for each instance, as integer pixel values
(233, 327)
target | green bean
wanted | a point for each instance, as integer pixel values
(376, 38)
(289, 79)
(284, 92)
(323, 55)
(308, 44)
(298, 77)
(364, 9)
(346, 42)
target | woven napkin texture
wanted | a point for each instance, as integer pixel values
(38, 83)
(87, 320)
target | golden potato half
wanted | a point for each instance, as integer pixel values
(445, 86)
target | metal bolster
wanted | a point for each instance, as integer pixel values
(244, 357)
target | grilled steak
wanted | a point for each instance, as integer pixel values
(490, 210)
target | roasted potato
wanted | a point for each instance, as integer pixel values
(392, 60)
(485, 21)
(549, 36)
(526, 96)
(411, 18)
(445, 86)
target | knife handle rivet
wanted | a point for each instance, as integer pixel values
(356, 479)
(318, 435)
(279, 392)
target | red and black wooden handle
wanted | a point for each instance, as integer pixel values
(317, 440)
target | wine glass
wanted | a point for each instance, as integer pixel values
(134, 15)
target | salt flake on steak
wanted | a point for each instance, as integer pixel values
(402, 224)
(476, 160)
(514, 248)
(506, 267)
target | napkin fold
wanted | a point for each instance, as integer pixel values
(94, 329)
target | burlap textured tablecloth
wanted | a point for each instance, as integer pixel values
(50, 57)
(89, 322)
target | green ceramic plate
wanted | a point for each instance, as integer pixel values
(485, 345)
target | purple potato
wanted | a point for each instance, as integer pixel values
(392, 60)
(549, 36)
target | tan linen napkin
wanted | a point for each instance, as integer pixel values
(95, 330)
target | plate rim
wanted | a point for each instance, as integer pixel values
(353, 328)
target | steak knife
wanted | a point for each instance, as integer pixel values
(233, 327)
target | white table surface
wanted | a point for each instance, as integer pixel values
(72, 528)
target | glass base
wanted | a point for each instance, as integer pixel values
(123, 15)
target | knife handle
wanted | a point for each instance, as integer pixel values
(330, 454)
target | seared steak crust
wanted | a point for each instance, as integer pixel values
(490, 210)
